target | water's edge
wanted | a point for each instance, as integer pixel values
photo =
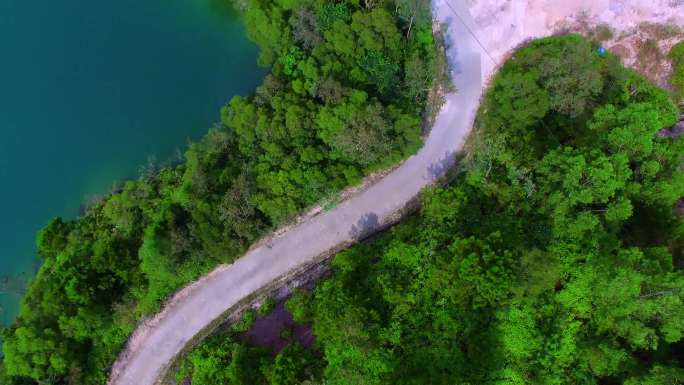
(91, 94)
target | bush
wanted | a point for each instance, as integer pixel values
(245, 322)
(267, 306)
(299, 305)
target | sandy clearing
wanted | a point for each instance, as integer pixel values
(502, 25)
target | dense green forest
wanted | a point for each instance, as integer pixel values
(553, 257)
(345, 96)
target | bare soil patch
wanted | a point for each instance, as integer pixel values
(640, 32)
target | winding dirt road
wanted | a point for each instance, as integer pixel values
(159, 341)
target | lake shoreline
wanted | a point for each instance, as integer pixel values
(91, 117)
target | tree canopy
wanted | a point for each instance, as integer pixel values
(345, 96)
(554, 257)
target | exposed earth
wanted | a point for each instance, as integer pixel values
(632, 29)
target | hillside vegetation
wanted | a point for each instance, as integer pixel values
(345, 96)
(677, 80)
(554, 257)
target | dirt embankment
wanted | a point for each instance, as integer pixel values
(641, 32)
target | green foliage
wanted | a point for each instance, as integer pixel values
(299, 305)
(295, 364)
(554, 258)
(219, 360)
(568, 69)
(659, 375)
(677, 53)
(267, 306)
(527, 263)
(330, 12)
(677, 80)
(345, 96)
(52, 239)
(415, 13)
(245, 322)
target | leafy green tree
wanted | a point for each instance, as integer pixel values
(659, 375)
(554, 257)
(222, 361)
(267, 159)
(522, 103)
(569, 71)
(52, 239)
(677, 80)
(293, 365)
(299, 305)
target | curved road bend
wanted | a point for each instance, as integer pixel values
(144, 363)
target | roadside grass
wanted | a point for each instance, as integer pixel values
(676, 57)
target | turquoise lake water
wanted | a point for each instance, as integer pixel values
(90, 91)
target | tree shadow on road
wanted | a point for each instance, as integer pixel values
(445, 167)
(437, 169)
(365, 226)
